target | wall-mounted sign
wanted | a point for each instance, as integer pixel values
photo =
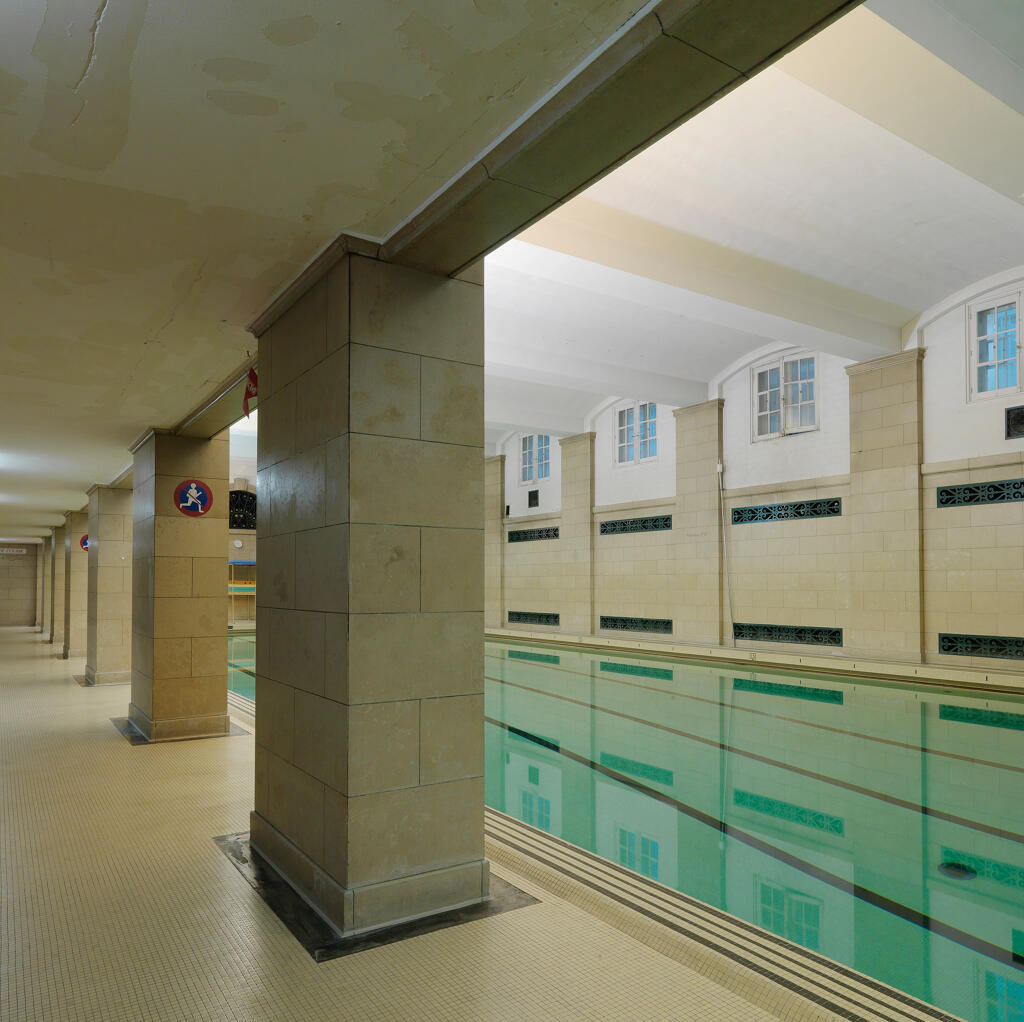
(13, 550)
(84, 542)
(193, 498)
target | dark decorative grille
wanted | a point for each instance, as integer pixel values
(989, 718)
(980, 493)
(647, 771)
(241, 510)
(1015, 423)
(532, 617)
(528, 535)
(990, 869)
(789, 633)
(636, 624)
(1007, 647)
(772, 688)
(656, 523)
(827, 508)
(661, 673)
(788, 812)
(538, 658)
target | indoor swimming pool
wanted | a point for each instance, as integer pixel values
(878, 824)
(242, 664)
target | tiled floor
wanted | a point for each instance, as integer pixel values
(117, 904)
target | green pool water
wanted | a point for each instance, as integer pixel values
(242, 664)
(880, 825)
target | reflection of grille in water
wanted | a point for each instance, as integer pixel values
(241, 510)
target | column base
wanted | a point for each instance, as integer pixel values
(178, 728)
(376, 906)
(94, 677)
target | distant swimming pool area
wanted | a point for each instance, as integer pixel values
(881, 826)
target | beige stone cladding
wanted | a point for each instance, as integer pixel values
(369, 658)
(635, 573)
(577, 533)
(179, 590)
(18, 586)
(76, 584)
(37, 557)
(57, 614)
(109, 617)
(494, 539)
(536, 579)
(790, 572)
(46, 573)
(697, 524)
(884, 618)
(973, 558)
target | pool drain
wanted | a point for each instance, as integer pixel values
(957, 871)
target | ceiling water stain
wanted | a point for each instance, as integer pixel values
(11, 88)
(291, 31)
(231, 69)
(243, 104)
(87, 48)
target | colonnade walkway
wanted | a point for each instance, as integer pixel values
(116, 904)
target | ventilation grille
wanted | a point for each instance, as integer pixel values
(988, 718)
(1000, 492)
(537, 658)
(241, 510)
(789, 812)
(990, 869)
(789, 633)
(828, 508)
(773, 688)
(1015, 423)
(529, 535)
(660, 673)
(532, 617)
(619, 526)
(662, 626)
(1006, 647)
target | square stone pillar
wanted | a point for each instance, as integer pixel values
(885, 508)
(699, 612)
(76, 583)
(46, 577)
(494, 554)
(369, 659)
(109, 620)
(576, 533)
(179, 664)
(59, 584)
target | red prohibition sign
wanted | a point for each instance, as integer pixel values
(84, 542)
(193, 497)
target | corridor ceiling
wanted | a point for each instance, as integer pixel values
(867, 175)
(166, 168)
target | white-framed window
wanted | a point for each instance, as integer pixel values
(1004, 999)
(638, 852)
(994, 350)
(535, 457)
(636, 432)
(789, 913)
(785, 396)
(535, 810)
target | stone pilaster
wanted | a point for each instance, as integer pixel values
(369, 661)
(46, 555)
(40, 585)
(884, 618)
(76, 577)
(494, 560)
(577, 533)
(179, 591)
(109, 616)
(59, 584)
(699, 613)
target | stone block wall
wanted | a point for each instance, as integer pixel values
(18, 587)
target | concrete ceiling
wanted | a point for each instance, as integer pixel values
(165, 169)
(864, 177)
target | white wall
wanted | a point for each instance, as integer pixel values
(821, 452)
(515, 491)
(647, 480)
(956, 427)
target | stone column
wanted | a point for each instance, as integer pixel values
(38, 552)
(577, 533)
(179, 664)
(494, 559)
(76, 578)
(59, 583)
(369, 661)
(700, 612)
(885, 508)
(46, 577)
(109, 621)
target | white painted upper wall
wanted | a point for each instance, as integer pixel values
(516, 491)
(956, 425)
(824, 451)
(646, 480)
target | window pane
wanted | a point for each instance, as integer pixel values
(986, 378)
(791, 371)
(1011, 376)
(986, 322)
(774, 422)
(762, 402)
(807, 415)
(792, 415)
(807, 369)
(629, 451)
(773, 377)
(654, 448)
(986, 350)
(773, 399)
(762, 380)
(762, 425)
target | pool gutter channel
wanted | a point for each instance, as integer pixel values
(776, 975)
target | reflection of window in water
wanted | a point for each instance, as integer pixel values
(536, 810)
(1004, 999)
(648, 862)
(790, 914)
